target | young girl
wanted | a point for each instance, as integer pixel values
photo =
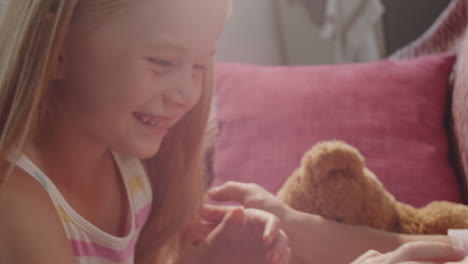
(88, 89)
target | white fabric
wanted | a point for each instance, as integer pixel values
(2, 6)
(353, 26)
(459, 238)
(316, 9)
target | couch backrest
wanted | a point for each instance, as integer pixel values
(448, 33)
(444, 35)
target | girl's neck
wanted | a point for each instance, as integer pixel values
(69, 158)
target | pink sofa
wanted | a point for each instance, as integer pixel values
(402, 113)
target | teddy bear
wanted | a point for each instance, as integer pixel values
(333, 182)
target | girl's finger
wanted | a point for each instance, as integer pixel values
(286, 257)
(206, 227)
(426, 251)
(279, 248)
(197, 232)
(234, 220)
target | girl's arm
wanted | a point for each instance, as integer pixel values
(30, 230)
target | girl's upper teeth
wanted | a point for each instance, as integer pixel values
(153, 121)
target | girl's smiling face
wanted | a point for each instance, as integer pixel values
(124, 82)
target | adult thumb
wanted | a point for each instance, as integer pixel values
(231, 192)
(427, 251)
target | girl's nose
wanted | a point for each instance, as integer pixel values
(183, 92)
(175, 97)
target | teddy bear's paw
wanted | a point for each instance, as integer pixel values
(331, 157)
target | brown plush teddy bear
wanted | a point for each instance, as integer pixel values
(334, 182)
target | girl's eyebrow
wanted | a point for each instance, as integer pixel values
(180, 49)
(165, 43)
(169, 46)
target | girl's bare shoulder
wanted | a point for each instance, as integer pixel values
(31, 231)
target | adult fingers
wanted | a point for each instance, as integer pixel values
(232, 192)
(426, 251)
(366, 256)
(215, 213)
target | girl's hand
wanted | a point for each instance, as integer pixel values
(244, 236)
(250, 196)
(414, 252)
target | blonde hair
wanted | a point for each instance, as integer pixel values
(32, 34)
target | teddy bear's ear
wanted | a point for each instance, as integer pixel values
(332, 156)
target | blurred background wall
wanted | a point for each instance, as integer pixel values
(291, 32)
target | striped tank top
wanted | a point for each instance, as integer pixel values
(90, 244)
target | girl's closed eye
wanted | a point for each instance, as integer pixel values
(161, 64)
(164, 64)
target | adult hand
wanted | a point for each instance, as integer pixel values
(414, 252)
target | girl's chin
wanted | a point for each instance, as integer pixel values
(146, 153)
(142, 151)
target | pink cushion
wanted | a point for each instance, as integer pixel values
(392, 111)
